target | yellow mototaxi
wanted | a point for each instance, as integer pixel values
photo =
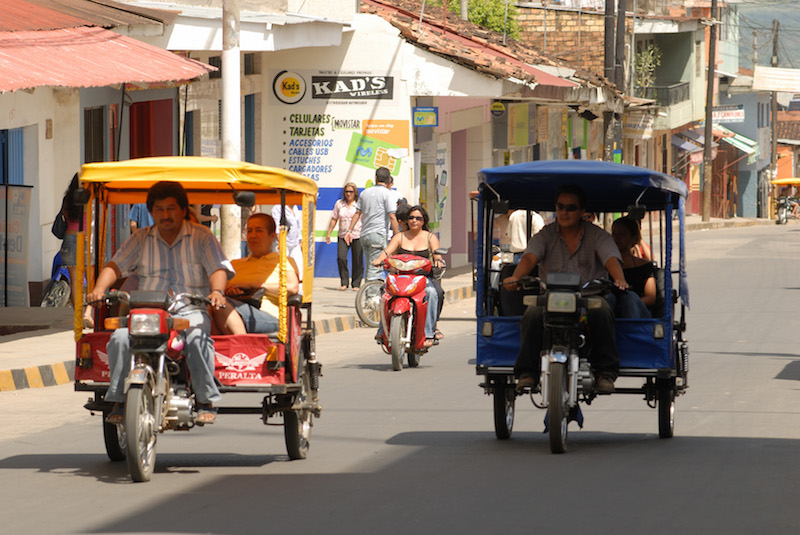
(782, 199)
(279, 369)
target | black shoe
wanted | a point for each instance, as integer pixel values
(527, 380)
(604, 384)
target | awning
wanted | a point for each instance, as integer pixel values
(685, 144)
(744, 144)
(87, 57)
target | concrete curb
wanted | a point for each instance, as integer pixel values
(62, 373)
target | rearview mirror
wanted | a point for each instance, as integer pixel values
(245, 199)
(637, 211)
(80, 196)
(500, 206)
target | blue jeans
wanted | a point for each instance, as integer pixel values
(199, 351)
(255, 320)
(627, 305)
(373, 244)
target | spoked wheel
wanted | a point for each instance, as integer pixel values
(368, 302)
(783, 216)
(58, 295)
(115, 440)
(503, 409)
(396, 330)
(558, 412)
(297, 426)
(666, 411)
(141, 431)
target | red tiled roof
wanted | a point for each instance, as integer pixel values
(468, 44)
(32, 15)
(788, 126)
(87, 57)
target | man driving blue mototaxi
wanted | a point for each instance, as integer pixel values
(172, 255)
(571, 244)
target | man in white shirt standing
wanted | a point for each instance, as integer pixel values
(376, 209)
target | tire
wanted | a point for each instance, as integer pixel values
(503, 409)
(782, 215)
(141, 429)
(413, 359)
(297, 426)
(115, 440)
(558, 412)
(368, 302)
(58, 295)
(666, 411)
(396, 328)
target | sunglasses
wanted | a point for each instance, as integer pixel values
(349, 191)
(566, 207)
(416, 218)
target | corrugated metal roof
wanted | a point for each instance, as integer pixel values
(87, 57)
(31, 15)
(19, 15)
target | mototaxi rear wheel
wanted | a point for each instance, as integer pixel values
(368, 302)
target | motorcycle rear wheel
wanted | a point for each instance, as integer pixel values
(58, 295)
(368, 302)
(558, 417)
(396, 332)
(783, 215)
(141, 431)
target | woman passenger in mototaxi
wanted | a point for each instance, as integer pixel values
(638, 272)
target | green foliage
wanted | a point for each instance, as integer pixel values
(645, 63)
(490, 14)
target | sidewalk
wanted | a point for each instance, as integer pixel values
(42, 353)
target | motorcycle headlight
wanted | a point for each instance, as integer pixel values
(562, 302)
(145, 324)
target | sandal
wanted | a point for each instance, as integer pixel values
(438, 334)
(429, 342)
(206, 414)
(117, 415)
(342, 288)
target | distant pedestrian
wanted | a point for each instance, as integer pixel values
(139, 217)
(343, 211)
(293, 236)
(375, 209)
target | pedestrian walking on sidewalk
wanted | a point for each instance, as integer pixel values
(343, 211)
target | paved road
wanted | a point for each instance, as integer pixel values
(414, 451)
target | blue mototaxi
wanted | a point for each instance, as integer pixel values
(654, 349)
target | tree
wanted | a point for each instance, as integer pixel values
(645, 63)
(491, 14)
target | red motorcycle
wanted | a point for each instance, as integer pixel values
(404, 308)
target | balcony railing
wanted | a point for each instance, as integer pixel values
(666, 95)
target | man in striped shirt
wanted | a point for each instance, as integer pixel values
(174, 255)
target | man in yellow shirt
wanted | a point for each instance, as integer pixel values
(257, 270)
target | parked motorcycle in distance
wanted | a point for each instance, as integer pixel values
(57, 292)
(404, 308)
(783, 210)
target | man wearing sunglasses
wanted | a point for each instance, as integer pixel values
(571, 244)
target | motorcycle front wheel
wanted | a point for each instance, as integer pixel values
(58, 295)
(368, 302)
(141, 431)
(397, 326)
(558, 411)
(783, 215)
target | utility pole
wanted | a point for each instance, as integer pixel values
(464, 10)
(608, 63)
(709, 136)
(755, 50)
(774, 108)
(231, 215)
